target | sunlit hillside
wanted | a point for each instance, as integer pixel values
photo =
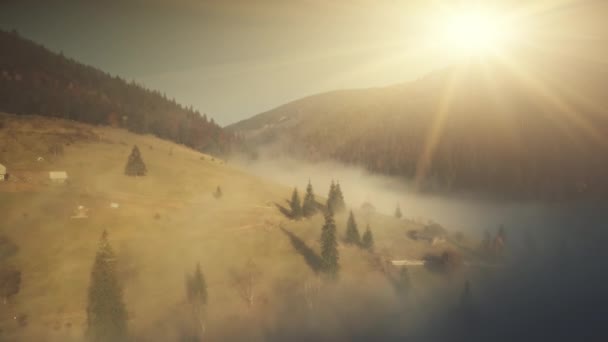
(160, 225)
(528, 125)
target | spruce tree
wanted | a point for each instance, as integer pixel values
(196, 292)
(296, 207)
(331, 197)
(196, 287)
(309, 207)
(339, 199)
(329, 246)
(106, 312)
(398, 213)
(352, 232)
(218, 193)
(367, 241)
(135, 165)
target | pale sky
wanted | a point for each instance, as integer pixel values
(236, 58)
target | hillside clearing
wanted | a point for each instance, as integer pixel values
(165, 223)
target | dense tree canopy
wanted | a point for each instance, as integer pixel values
(34, 80)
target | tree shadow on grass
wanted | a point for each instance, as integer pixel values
(284, 210)
(310, 256)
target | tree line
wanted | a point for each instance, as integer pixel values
(328, 240)
(36, 81)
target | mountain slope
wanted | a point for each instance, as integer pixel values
(34, 80)
(535, 128)
(164, 224)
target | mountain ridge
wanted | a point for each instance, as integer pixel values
(446, 130)
(35, 80)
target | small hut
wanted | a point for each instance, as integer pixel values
(2, 172)
(81, 212)
(58, 177)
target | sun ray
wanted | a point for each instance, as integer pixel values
(436, 130)
(501, 105)
(537, 86)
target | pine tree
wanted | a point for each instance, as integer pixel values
(367, 241)
(295, 205)
(352, 232)
(339, 199)
(329, 246)
(135, 165)
(196, 292)
(218, 193)
(331, 197)
(398, 213)
(106, 312)
(196, 287)
(309, 207)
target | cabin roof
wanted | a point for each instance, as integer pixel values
(58, 174)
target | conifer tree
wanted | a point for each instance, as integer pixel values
(367, 241)
(106, 312)
(329, 246)
(196, 292)
(331, 197)
(339, 199)
(352, 232)
(309, 207)
(296, 207)
(135, 165)
(398, 213)
(218, 193)
(196, 287)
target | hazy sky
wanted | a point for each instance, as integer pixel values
(235, 58)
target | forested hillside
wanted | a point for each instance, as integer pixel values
(34, 80)
(527, 129)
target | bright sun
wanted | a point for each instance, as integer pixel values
(475, 32)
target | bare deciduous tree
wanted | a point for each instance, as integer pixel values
(245, 280)
(312, 288)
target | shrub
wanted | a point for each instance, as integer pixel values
(7, 248)
(10, 282)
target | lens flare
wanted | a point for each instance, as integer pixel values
(475, 32)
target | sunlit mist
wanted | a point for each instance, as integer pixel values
(474, 31)
(364, 170)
